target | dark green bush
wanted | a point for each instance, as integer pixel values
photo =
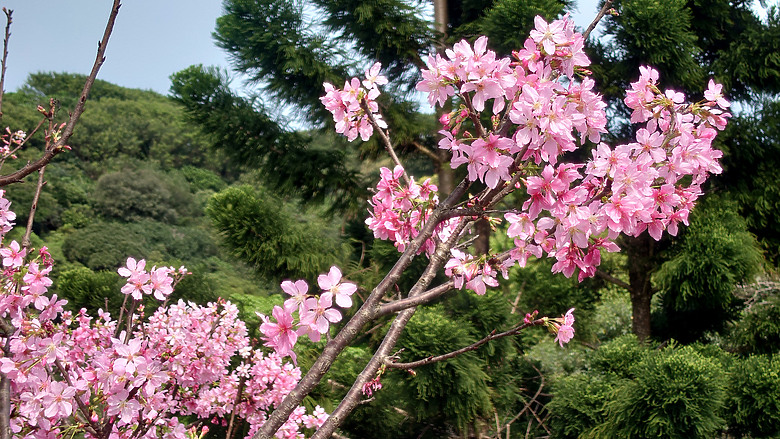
(675, 393)
(263, 231)
(457, 389)
(579, 402)
(758, 329)
(143, 194)
(753, 405)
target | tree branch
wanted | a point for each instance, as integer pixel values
(8, 20)
(472, 347)
(352, 398)
(67, 132)
(366, 313)
(420, 299)
(431, 155)
(614, 280)
(385, 138)
(599, 16)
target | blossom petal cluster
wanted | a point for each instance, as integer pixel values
(355, 103)
(315, 313)
(398, 210)
(542, 105)
(132, 377)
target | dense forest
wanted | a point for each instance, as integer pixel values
(208, 179)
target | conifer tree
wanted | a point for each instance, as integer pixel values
(688, 41)
(289, 49)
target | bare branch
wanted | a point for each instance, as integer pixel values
(352, 398)
(67, 132)
(385, 138)
(599, 16)
(33, 208)
(472, 347)
(8, 22)
(420, 299)
(614, 280)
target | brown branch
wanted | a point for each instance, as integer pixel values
(67, 132)
(472, 347)
(8, 20)
(352, 398)
(599, 16)
(232, 426)
(432, 155)
(420, 299)
(366, 313)
(385, 138)
(614, 280)
(33, 208)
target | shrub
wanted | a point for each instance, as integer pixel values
(753, 405)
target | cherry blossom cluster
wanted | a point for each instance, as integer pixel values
(158, 282)
(131, 377)
(563, 327)
(398, 210)
(352, 105)
(542, 105)
(315, 313)
(10, 142)
(572, 212)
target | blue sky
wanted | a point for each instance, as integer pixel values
(152, 38)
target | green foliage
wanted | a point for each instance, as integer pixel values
(713, 256)
(612, 314)
(618, 357)
(93, 290)
(757, 331)
(133, 195)
(752, 144)
(579, 403)
(753, 405)
(262, 231)
(107, 245)
(202, 179)
(388, 31)
(249, 137)
(638, 40)
(455, 389)
(675, 393)
(508, 22)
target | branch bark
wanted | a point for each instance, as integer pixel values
(67, 132)
(367, 312)
(472, 347)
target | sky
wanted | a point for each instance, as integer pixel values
(152, 39)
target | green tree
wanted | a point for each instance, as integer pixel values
(698, 40)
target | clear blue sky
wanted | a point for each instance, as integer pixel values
(152, 38)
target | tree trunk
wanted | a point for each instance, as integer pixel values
(640, 264)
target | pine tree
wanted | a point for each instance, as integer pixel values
(688, 42)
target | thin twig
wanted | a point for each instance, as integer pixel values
(67, 132)
(33, 208)
(385, 138)
(472, 347)
(599, 16)
(531, 401)
(8, 13)
(239, 393)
